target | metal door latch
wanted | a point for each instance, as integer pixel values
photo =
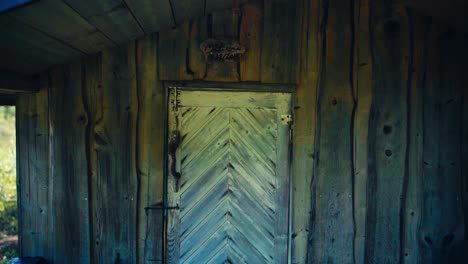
(287, 119)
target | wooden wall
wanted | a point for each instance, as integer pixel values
(379, 136)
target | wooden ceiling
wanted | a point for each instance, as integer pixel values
(49, 32)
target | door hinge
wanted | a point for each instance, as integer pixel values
(290, 135)
(287, 119)
(174, 98)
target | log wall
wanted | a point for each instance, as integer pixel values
(380, 134)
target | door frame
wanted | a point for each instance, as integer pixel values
(215, 86)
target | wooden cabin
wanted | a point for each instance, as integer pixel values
(259, 131)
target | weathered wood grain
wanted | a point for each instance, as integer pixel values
(464, 68)
(379, 143)
(63, 23)
(388, 125)
(113, 18)
(441, 231)
(152, 15)
(232, 186)
(410, 251)
(196, 58)
(304, 131)
(36, 229)
(150, 151)
(187, 9)
(115, 143)
(225, 25)
(331, 233)
(283, 181)
(279, 43)
(363, 93)
(92, 98)
(251, 33)
(37, 49)
(173, 46)
(68, 171)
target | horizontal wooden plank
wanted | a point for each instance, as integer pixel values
(27, 50)
(184, 9)
(232, 99)
(11, 82)
(62, 23)
(152, 15)
(111, 17)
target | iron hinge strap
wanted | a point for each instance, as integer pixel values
(162, 207)
(175, 98)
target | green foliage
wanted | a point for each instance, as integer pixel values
(8, 253)
(8, 203)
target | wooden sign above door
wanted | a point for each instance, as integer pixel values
(221, 50)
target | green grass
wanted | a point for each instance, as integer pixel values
(8, 199)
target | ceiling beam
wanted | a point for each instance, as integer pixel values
(12, 82)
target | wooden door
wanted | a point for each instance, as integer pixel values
(228, 177)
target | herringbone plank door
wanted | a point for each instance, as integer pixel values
(229, 176)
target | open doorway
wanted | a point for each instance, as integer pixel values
(8, 192)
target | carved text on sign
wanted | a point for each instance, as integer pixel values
(221, 50)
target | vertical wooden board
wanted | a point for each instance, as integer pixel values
(251, 33)
(464, 142)
(69, 173)
(113, 18)
(173, 47)
(22, 177)
(363, 91)
(152, 15)
(331, 235)
(305, 130)
(150, 151)
(388, 131)
(413, 192)
(451, 233)
(187, 9)
(172, 252)
(92, 98)
(279, 42)
(198, 34)
(34, 183)
(283, 188)
(115, 136)
(441, 231)
(225, 24)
